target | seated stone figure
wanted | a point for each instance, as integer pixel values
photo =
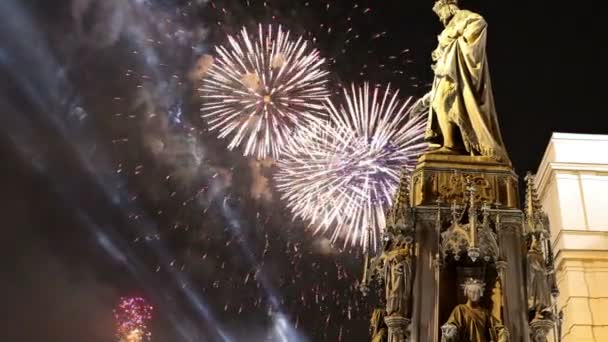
(471, 322)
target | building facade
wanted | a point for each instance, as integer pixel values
(572, 183)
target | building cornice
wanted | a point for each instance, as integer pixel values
(548, 166)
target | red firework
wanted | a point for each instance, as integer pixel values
(132, 316)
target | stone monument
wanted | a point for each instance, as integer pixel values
(460, 261)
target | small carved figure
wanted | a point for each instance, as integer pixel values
(539, 293)
(398, 277)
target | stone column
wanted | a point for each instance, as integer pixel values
(437, 264)
(501, 268)
(511, 242)
(425, 288)
(397, 328)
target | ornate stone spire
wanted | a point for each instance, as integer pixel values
(398, 216)
(532, 202)
(540, 272)
(535, 218)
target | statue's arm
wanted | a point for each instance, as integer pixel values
(426, 99)
(449, 332)
(502, 334)
(421, 106)
(537, 265)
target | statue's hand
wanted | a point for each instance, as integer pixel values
(421, 105)
(364, 289)
(449, 330)
(436, 54)
(503, 335)
(426, 99)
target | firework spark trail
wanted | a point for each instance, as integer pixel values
(132, 316)
(258, 91)
(341, 176)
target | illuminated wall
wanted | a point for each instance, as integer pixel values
(572, 183)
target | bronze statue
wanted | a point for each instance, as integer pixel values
(462, 116)
(539, 294)
(472, 323)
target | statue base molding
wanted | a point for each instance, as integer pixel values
(398, 328)
(443, 177)
(539, 329)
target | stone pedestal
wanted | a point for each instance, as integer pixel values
(439, 176)
(463, 228)
(438, 182)
(397, 328)
(540, 329)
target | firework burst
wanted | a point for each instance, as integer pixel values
(132, 316)
(257, 90)
(341, 176)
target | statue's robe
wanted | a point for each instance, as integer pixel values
(462, 91)
(380, 336)
(475, 325)
(398, 270)
(379, 329)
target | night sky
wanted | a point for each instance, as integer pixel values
(112, 186)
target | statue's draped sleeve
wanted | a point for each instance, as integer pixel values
(537, 287)
(499, 333)
(462, 89)
(475, 325)
(456, 318)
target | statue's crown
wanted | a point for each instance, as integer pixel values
(473, 282)
(447, 2)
